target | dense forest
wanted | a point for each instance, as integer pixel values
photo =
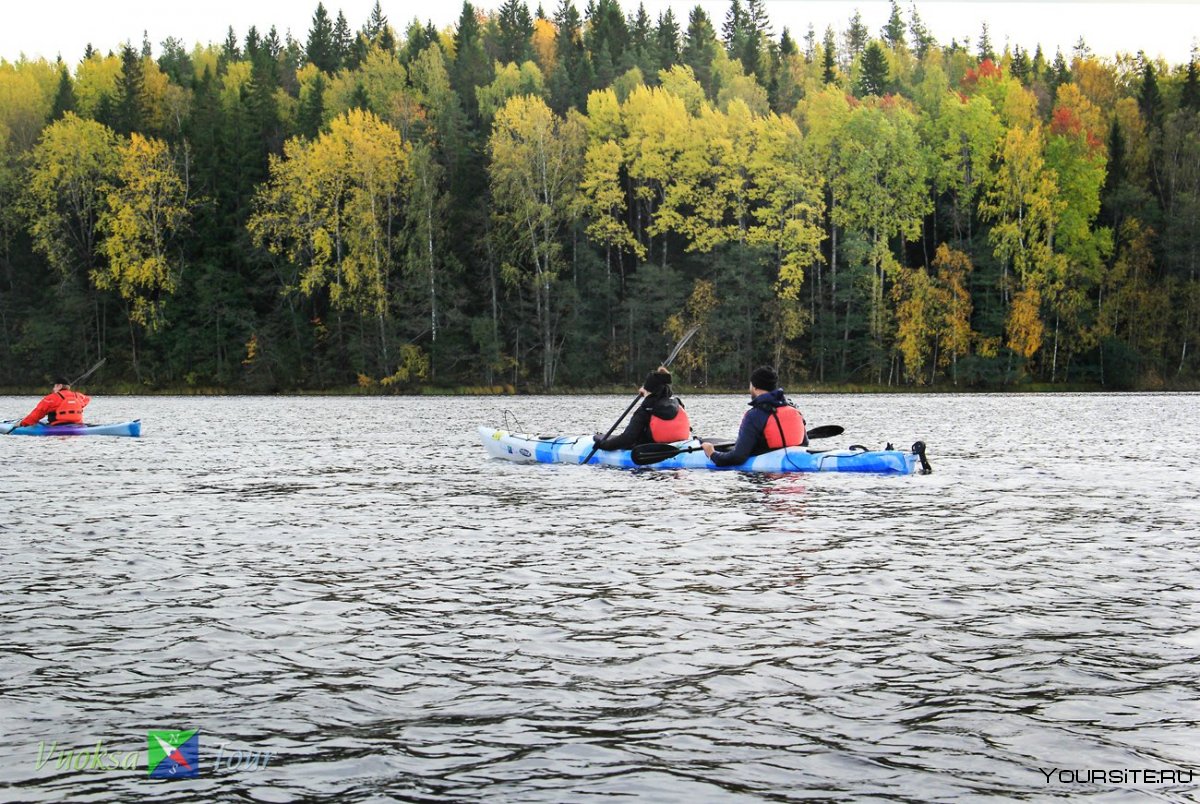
(541, 200)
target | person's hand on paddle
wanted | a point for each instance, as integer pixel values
(708, 448)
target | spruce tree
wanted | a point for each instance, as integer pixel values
(607, 28)
(1114, 176)
(343, 42)
(643, 47)
(1021, 66)
(667, 38)
(64, 97)
(253, 44)
(1039, 68)
(985, 45)
(922, 40)
(320, 49)
(176, 63)
(1150, 101)
(699, 47)
(571, 79)
(229, 50)
(893, 32)
(516, 27)
(310, 116)
(471, 68)
(873, 75)
(1059, 73)
(129, 109)
(734, 28)
(829, 47)
(787, 47)
(1189, 96)
(856, 36)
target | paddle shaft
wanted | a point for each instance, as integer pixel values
(670, 358)
(89, 372)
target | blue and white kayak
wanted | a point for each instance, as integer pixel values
(526, 448)
(132, 429)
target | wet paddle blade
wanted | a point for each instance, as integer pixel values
(645, 454)
(826, 431)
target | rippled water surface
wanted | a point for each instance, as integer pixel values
(352, 586)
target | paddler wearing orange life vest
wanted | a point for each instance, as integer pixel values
(659, 419)
(772, 422)
(60, 406)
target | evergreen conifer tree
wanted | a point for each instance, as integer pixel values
(64, 97)
(893, 32)
(829, 75)
(320, 49)
(1150, 100)
(129, 108)
(667, 38)
(873, 76)
(699, 47)
(1189, 96)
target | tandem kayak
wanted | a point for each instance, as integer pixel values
(132, 429)
(526, 448)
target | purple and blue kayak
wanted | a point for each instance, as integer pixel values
(132, 429)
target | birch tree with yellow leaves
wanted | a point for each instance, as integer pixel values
(332, 210)
(536, 164)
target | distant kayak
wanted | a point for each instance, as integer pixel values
(526, 448)
(132, 429)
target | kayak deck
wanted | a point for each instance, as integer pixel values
(132, 429)
(572, 449)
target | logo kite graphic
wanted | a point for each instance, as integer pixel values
(173, 754)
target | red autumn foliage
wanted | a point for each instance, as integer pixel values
(988, 69)
(1065, 122)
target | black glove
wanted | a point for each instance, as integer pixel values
(597, 437)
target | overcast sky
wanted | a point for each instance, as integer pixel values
(65, 27)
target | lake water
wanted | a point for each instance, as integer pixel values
(352, 586)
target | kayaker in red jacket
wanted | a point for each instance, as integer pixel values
(60, 406)
(660, 419)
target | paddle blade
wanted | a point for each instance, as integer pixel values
(645, 454)
(826, 431)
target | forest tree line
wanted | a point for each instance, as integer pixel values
(550, 200)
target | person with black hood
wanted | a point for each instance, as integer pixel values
(772, 422)
(660, 419)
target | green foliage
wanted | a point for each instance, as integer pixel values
(538, 202)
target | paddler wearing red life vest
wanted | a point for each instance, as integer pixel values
(660, 419)
(772, 422)
(60, 406)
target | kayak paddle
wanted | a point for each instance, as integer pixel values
(645, 454)
(671, 357)
(89, 372)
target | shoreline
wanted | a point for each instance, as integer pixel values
(130, 389)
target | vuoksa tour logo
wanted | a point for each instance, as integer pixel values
(173, 754)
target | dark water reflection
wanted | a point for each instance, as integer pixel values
(352, 586)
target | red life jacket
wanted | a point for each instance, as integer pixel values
(664, 431)
(69, 409)
(785, 428)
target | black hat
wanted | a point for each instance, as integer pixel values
(764, 377)
(61, 380)
(657, 380)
